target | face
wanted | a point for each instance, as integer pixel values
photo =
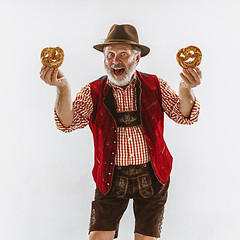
(120, 63)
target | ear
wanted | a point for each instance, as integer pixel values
(138, 57)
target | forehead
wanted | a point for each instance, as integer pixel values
(118, 47)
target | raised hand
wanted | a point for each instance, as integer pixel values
(191, 77)
(53, 77)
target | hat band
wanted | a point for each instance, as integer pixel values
(120, 40)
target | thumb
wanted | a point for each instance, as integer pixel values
(60, 74)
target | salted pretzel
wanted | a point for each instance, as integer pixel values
(189, 57)
(52, 57)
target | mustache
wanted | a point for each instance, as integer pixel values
(119, 65)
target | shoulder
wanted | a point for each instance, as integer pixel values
(148, 80)
(147, 77)
(99, 81)
(97, 87)
(146, 74)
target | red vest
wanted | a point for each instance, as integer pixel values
(104, 129)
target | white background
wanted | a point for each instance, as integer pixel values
(46, 186)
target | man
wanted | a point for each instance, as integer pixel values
(125, 113)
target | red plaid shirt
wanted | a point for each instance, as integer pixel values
(132, 147)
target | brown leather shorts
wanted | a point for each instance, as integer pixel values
(149, 197)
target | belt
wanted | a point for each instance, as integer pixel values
(132, 170)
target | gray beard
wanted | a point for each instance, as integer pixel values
(126, 80)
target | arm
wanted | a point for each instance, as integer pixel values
(174, 107)
(68, 116)
(63, 106)
(64, 109)
(190, 79)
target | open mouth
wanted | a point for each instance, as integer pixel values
(118, 71)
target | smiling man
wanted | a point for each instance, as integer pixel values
(125, 111)
(120, 63)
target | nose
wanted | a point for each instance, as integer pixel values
(116, 59)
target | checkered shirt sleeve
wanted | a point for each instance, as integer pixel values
(171, 105)
(83, 107)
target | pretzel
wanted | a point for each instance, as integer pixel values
(189, 57)
(52, 57)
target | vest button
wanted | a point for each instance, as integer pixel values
(109, 173)
(111, 163)
(108, 183)
(114, 141)
(112, 153)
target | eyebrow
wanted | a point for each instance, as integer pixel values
(119, 49)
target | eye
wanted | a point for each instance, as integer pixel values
(124, 54)
(110, 55)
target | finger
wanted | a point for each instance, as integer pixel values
(188, 75)
(198, 71)
(195, 75)
(60, 74)
(185, 79)
(43, 74)
(48, 76)
(43, 67)
(54, 76)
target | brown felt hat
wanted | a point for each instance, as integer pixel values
(123, 34)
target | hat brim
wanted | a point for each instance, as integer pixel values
(144, 49)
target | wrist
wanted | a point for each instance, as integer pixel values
(186, 92)
(64, 89)
(184, 86)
